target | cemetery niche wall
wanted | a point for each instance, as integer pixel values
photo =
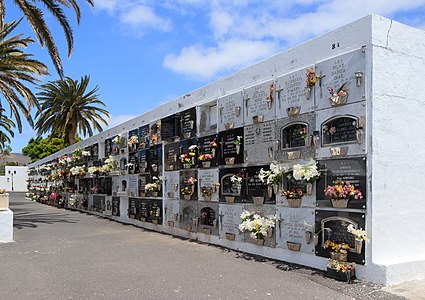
(246, 147)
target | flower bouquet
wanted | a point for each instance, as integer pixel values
(258, 226)
(238, 143)
(340, 97)
(359, 235)
(205, 159)
(307, 173)
(273, 178)
(294, 196)
(132, 142)
(341, 193)
(207, 192)
(338, 251)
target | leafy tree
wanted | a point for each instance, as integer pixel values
(66, 108)
(35, 16)
(40, 148)
(16, 70)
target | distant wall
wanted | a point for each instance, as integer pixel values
(19, 179)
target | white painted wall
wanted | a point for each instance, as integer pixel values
(398, 138)
(19, 179)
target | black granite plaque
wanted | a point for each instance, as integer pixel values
(256, 188)
(207, 216)
(346, 169)
(108, 147)
(188, 153)
(143, 180)
(144, 137)
(143, 160)
(170, 127)
(188, 123)
(228, 141)
(155, 159)
(116, 206)
(208, 146)
(133, 208)
(229, 189)
(133, 164)
(155, 133)
(144, 209)
(133, 147)
(94, 151)
(333, 226)
(340, 130)
(155, 212)
(98, 203)
(293, 136)
(185, 175)
(172, 154)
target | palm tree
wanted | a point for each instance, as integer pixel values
(6, 129)
(16, 70)
(35, 16)
(66, 108)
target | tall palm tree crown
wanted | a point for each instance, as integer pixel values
(35, 16)
(16, 70)
(66, 109)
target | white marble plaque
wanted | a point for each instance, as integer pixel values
(230, 111)
(229, 220)
(258, 105)
(260, 142)
(348, 68)
(188, 215)
(208, 178)
(172, 213)
(291, 228)
(133, 185)
(171, 185)
(292, 92)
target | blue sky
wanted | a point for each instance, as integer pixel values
(143, 52)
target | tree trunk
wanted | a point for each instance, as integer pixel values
(71, 134)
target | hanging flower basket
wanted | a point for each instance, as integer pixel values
(259, 242)
(187, 197)
(258, 200)
(339, 203)
(229, 160)
(293, 246)
(230, 236)
(295, 203)
(206, 164)
(230, 199)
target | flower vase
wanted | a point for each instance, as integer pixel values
(275, 189)
(307, 237)
(259, 242)
(358, 246)
(308, 141)
(270, 191)
(230, 236)
(141, 194)
(339, 203)
(359, 135)
(338, 256)
(229, 160)
(308, 92)
(238, 149)
(213, 152)
(239, 189)
(316, 239)
(186, 166)
(154, 194)
(207, 197)
(337, 100)
(269, 232)
(309, 188)
(295, 203)
(206, 164)
(187, 197)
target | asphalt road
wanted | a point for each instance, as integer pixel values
(61, 254)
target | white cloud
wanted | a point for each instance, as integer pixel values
(144, 16)
(117, 120)
(206, 62)
(109, 5)
(220, 23)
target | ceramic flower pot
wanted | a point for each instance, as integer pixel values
(155, 222)
(187, 197)
(295, 203)
(337, 100)
(270, 191)
(230, 199)
(207, 197)
(213, 152)
(258, 200)
(207, 231)
(293, 246)
(308, 92)
(339, 203)
(154, 194)
(186, 166)
(316, 239)
(308, 141)
(238, 149)
(229, 160)
(275, 189)
(230, 236)
(259, 242)
(206, 164)
(170, 223)
(170, 195)
(309, 188)
(307, 237)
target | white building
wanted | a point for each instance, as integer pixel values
(382, 62)
(15, 179)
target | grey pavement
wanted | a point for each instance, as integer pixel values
(61, 254)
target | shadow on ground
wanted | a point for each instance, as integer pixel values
(30, 220)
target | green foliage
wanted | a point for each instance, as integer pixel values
(40, 148)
